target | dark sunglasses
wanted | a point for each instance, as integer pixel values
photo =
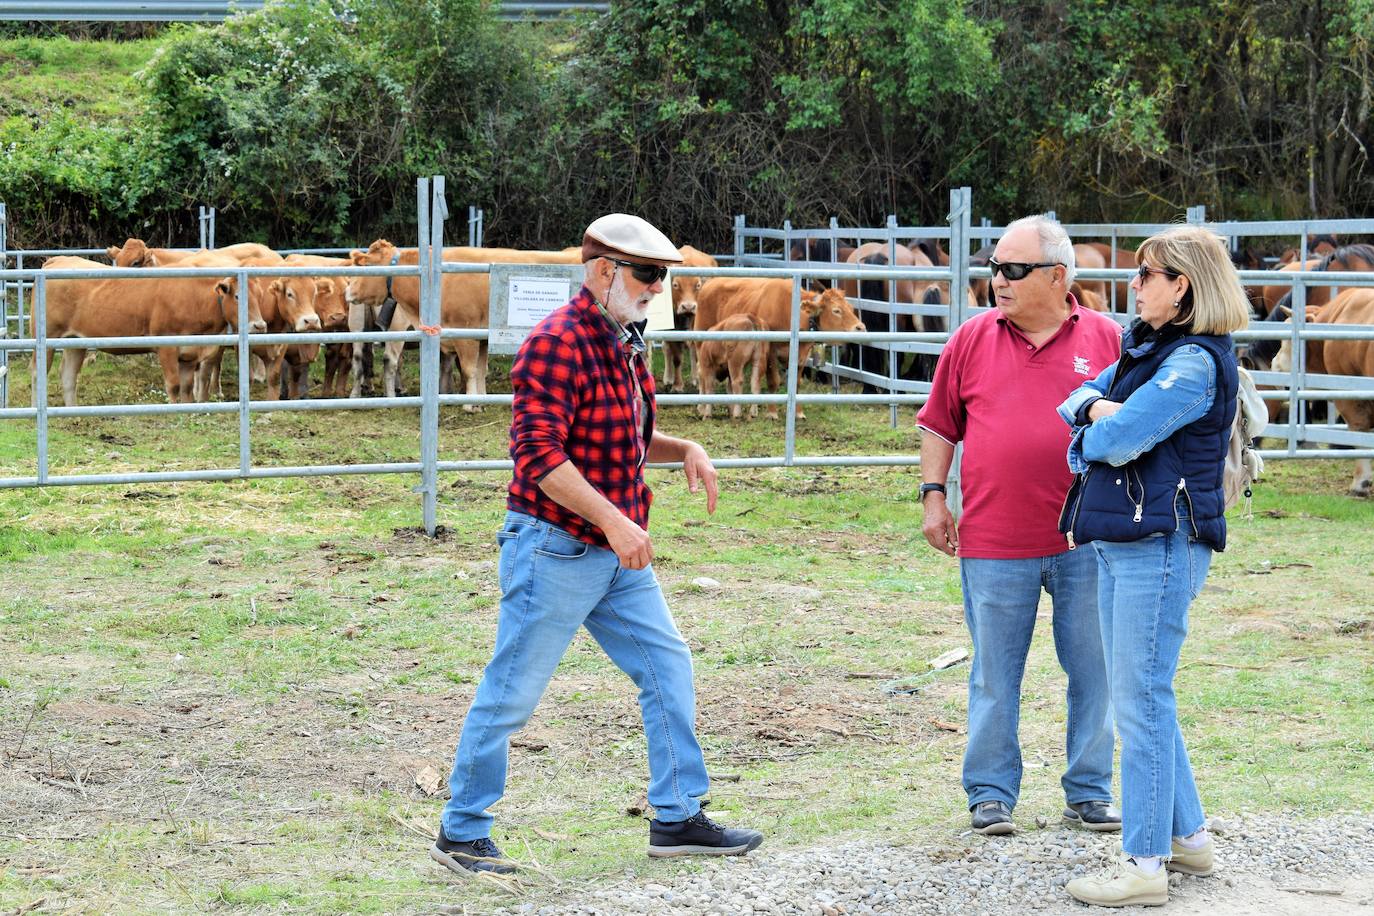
(644, 273)
(1144, 271)
(1016, 270)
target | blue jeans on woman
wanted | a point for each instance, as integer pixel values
(1000, 601)
(1146, 587)
(551, 584)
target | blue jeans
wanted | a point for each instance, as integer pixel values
(552, 584)
(1146, 587)
(1000, 599)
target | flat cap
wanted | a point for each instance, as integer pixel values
(628, 238)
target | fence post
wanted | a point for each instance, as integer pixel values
(40, 373)
(892, 356)
(1196, 216)
(834, 259)
(474, 227)
(4, 314)
(739, 238)
(960, 227)
(790, 440)
(431, 257)
(245, 378)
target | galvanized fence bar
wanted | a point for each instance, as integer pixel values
(5, 310)
(431, 255)
(40, 373)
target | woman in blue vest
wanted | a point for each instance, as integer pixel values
(1148, 451)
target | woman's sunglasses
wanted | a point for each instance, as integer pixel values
(644, 273)
(1144, 271)
(1016, 270)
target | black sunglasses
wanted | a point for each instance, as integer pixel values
(644, 273)
(1016, 270)
(1145, 270)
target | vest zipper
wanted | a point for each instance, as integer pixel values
(1076, 490)
(1139, 506)
(1192, 519)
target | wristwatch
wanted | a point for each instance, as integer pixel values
(931, 488)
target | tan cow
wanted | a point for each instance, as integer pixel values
(332, 306)
(1344, 357)
(717, 357)
(464, 305)
(136, 253)
(140, 308)
(685, 291)
(769, 303)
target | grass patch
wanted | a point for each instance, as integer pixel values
(238, 683)
(92, 79)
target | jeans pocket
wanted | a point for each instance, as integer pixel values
(559, 545)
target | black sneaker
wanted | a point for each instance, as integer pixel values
(1094, 815)
(991, 818)
(699, 836)
(481, 855)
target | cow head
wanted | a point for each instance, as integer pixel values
(370, 291)
(685, 291)
(226, 294)
(134, 253)
(331, 305)
(295, 303)
(829, 310)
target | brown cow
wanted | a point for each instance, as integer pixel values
(141, 308)
(136, 253)
(1344, 357)
(464, 304)
(684, 291)
(769, 302)
(332, 306)
(1123, 259)
(1089, 299)
(717, 357)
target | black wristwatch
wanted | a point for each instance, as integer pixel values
(931, 488)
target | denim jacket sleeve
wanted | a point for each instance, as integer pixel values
(1181, 391)
(1085, 394)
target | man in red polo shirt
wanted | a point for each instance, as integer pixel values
(996, 387)
(575, 552)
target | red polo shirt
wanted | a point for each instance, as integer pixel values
(997, 393)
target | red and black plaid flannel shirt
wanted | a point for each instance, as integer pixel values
(575, 400)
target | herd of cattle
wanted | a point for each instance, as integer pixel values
(185, 306)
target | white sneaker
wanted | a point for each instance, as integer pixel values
(1124, 885)
(1197, 861)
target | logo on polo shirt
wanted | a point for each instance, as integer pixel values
(1081, 365)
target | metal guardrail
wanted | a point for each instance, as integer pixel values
(218, 10)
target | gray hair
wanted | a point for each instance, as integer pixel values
(1054, 242)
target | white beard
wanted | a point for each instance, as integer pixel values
(625, 309)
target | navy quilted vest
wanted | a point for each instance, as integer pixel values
(1138, 499)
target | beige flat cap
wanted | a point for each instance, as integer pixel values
(628, 238)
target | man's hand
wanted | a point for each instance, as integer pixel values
(1102, 408)
(700, 473)
(631, 544)
(938, 524)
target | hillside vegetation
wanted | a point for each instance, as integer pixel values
(308, 121)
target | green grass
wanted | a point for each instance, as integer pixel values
(92, 79)
(235, 684)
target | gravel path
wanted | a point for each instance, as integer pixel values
(1267, 866)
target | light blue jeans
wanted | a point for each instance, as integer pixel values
(1000, 599)
(552, 584)
(1146, 587)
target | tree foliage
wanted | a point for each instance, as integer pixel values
(308, 121)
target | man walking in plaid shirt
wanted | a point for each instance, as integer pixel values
(575, 552)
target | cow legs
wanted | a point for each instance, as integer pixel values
(472, 363)
(737, 376)
(360, 319)
(1363, 482)
(755, 374)
(446, 361)
(391, 371)
(169, 359)
(71, 365)
(706, 384)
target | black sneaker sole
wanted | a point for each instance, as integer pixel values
(1110, 827)
(668, 852)
(458, 866)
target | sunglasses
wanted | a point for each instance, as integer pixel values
(644, 273)
(1144, 271)
(1016, 270)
